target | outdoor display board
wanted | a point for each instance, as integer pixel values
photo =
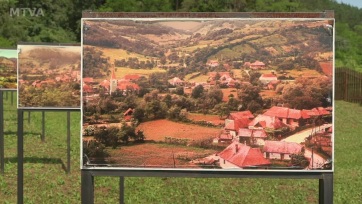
(208, 94)
(8, 71)
(49, 76)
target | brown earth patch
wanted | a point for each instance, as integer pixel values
(157, 130)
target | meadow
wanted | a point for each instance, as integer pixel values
(46, 181)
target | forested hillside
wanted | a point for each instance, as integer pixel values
(59, 21)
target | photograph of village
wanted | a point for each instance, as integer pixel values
(8, 73)
(49, 76)
(235, 94)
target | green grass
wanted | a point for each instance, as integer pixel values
(46, 182)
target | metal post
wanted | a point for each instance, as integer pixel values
(121, 190)
(68, 142)
(2, 145)
(42, 126)
(326, 189)
(87, 187)
(20, 156)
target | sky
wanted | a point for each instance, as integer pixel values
(357, 3)
(8, 53)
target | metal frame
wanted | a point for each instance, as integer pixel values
(88, 174)
(2, 133)
(20, 181)
(87, 179)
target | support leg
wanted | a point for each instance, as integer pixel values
(68, 142)
(2, 134)
(20, 157)
(87, 185)
(121, 190)
(326, 189)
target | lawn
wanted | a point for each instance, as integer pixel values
(46, 182)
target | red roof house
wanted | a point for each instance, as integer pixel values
(257, 65)
(265, 121)
(287, 115)
(267, 78)
(131, 77)
(240, 115)
(237, 155)
(281, 149)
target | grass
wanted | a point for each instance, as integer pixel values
(46, 182)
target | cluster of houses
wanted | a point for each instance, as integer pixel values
(249, 144)
(73, 76)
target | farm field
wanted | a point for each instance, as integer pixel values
(122, 71)
(43, 165)
(152, 130)
(153, 154)
(214, 119)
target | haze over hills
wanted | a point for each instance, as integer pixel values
(226, 39)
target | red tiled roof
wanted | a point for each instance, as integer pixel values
(124, 85)
(257, 133)
(105, 83)
(243, 156)
(282, 147)
(87, 88)
(268, 76)
(266, 121)
(236, 124)
(128, 112)
(327, 67)
(225, 136)
(257, 63)
(283, 112)
(132, 77)
(241, 114)
(88, 80)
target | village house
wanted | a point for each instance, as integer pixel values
(292, 117)
(240, 115)
(176, 81)
(265, 121)
(132, 77)
(257, 65)
(127, 115)
(281, 150)
(267, 78)
(238, 155)
(252, 136)
(213, 63)
(232, 126)
(224, 137)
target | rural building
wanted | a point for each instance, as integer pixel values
(213, 63)
(132, 77)
(232, 126)
(267, 78)
(257, 65)
(127, 115)
(238, 155)
(176, 81)
(240, 115)
(251, 136)
(265, 121)
(292, 117)
(281, 150)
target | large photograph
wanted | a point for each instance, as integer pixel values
(8, 72)
(208, 94)
(49, 76)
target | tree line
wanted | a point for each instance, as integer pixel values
(61, 20)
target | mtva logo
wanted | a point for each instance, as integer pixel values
(33, 12)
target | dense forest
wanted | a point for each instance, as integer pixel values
(59, 21)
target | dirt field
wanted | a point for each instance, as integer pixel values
(214, 119)
(159, 129)
(158, 155)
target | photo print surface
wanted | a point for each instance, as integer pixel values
(49, 76)
(208, 94)
(8, 72)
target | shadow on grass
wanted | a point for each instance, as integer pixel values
(25, 133)
(37, 160)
